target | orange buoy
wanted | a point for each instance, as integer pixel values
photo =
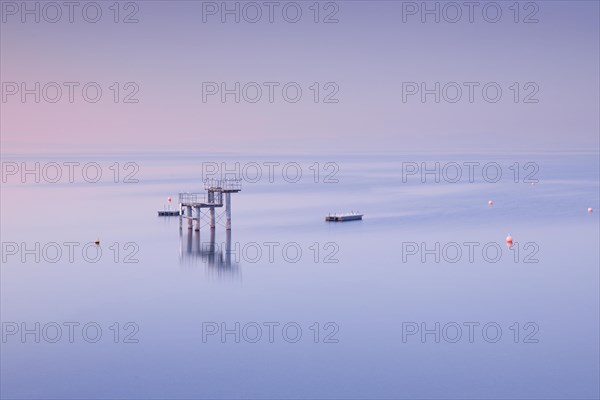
(509, 239)
(490, 203)
(169, 199)
(590, 210)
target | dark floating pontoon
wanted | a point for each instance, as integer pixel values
(352, 216)
(168, 213)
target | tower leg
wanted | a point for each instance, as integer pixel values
(188, 214)
(228, 249)
(211, 248)
(212, 241)
(212, 218)
(197, 244)
(189, 242)
(197, 220)
(228, 210)
(180, 216)
(180, 246)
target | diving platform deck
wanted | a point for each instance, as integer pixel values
(217, 195)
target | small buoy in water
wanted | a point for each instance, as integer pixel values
(169, 199)
(509, 239)
(97, 242)
(490, 203)
(590, 210)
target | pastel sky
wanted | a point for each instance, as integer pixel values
(368, 55)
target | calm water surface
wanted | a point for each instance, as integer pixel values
(364, 283)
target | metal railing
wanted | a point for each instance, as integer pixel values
(195, 198)
(189, 198)
(222, 184)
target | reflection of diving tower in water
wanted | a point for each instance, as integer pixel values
(218, 192)
(216, 256)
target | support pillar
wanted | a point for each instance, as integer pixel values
(197, 220)
(189, 243)
(228, 210)
(180, 216)
(212, 218)
(228, 248)
(188, 214)
(212, 248)
(212, 241)
(197, 244)
(180, 246)
(211, 200)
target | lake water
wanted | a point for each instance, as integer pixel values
(421, 299)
